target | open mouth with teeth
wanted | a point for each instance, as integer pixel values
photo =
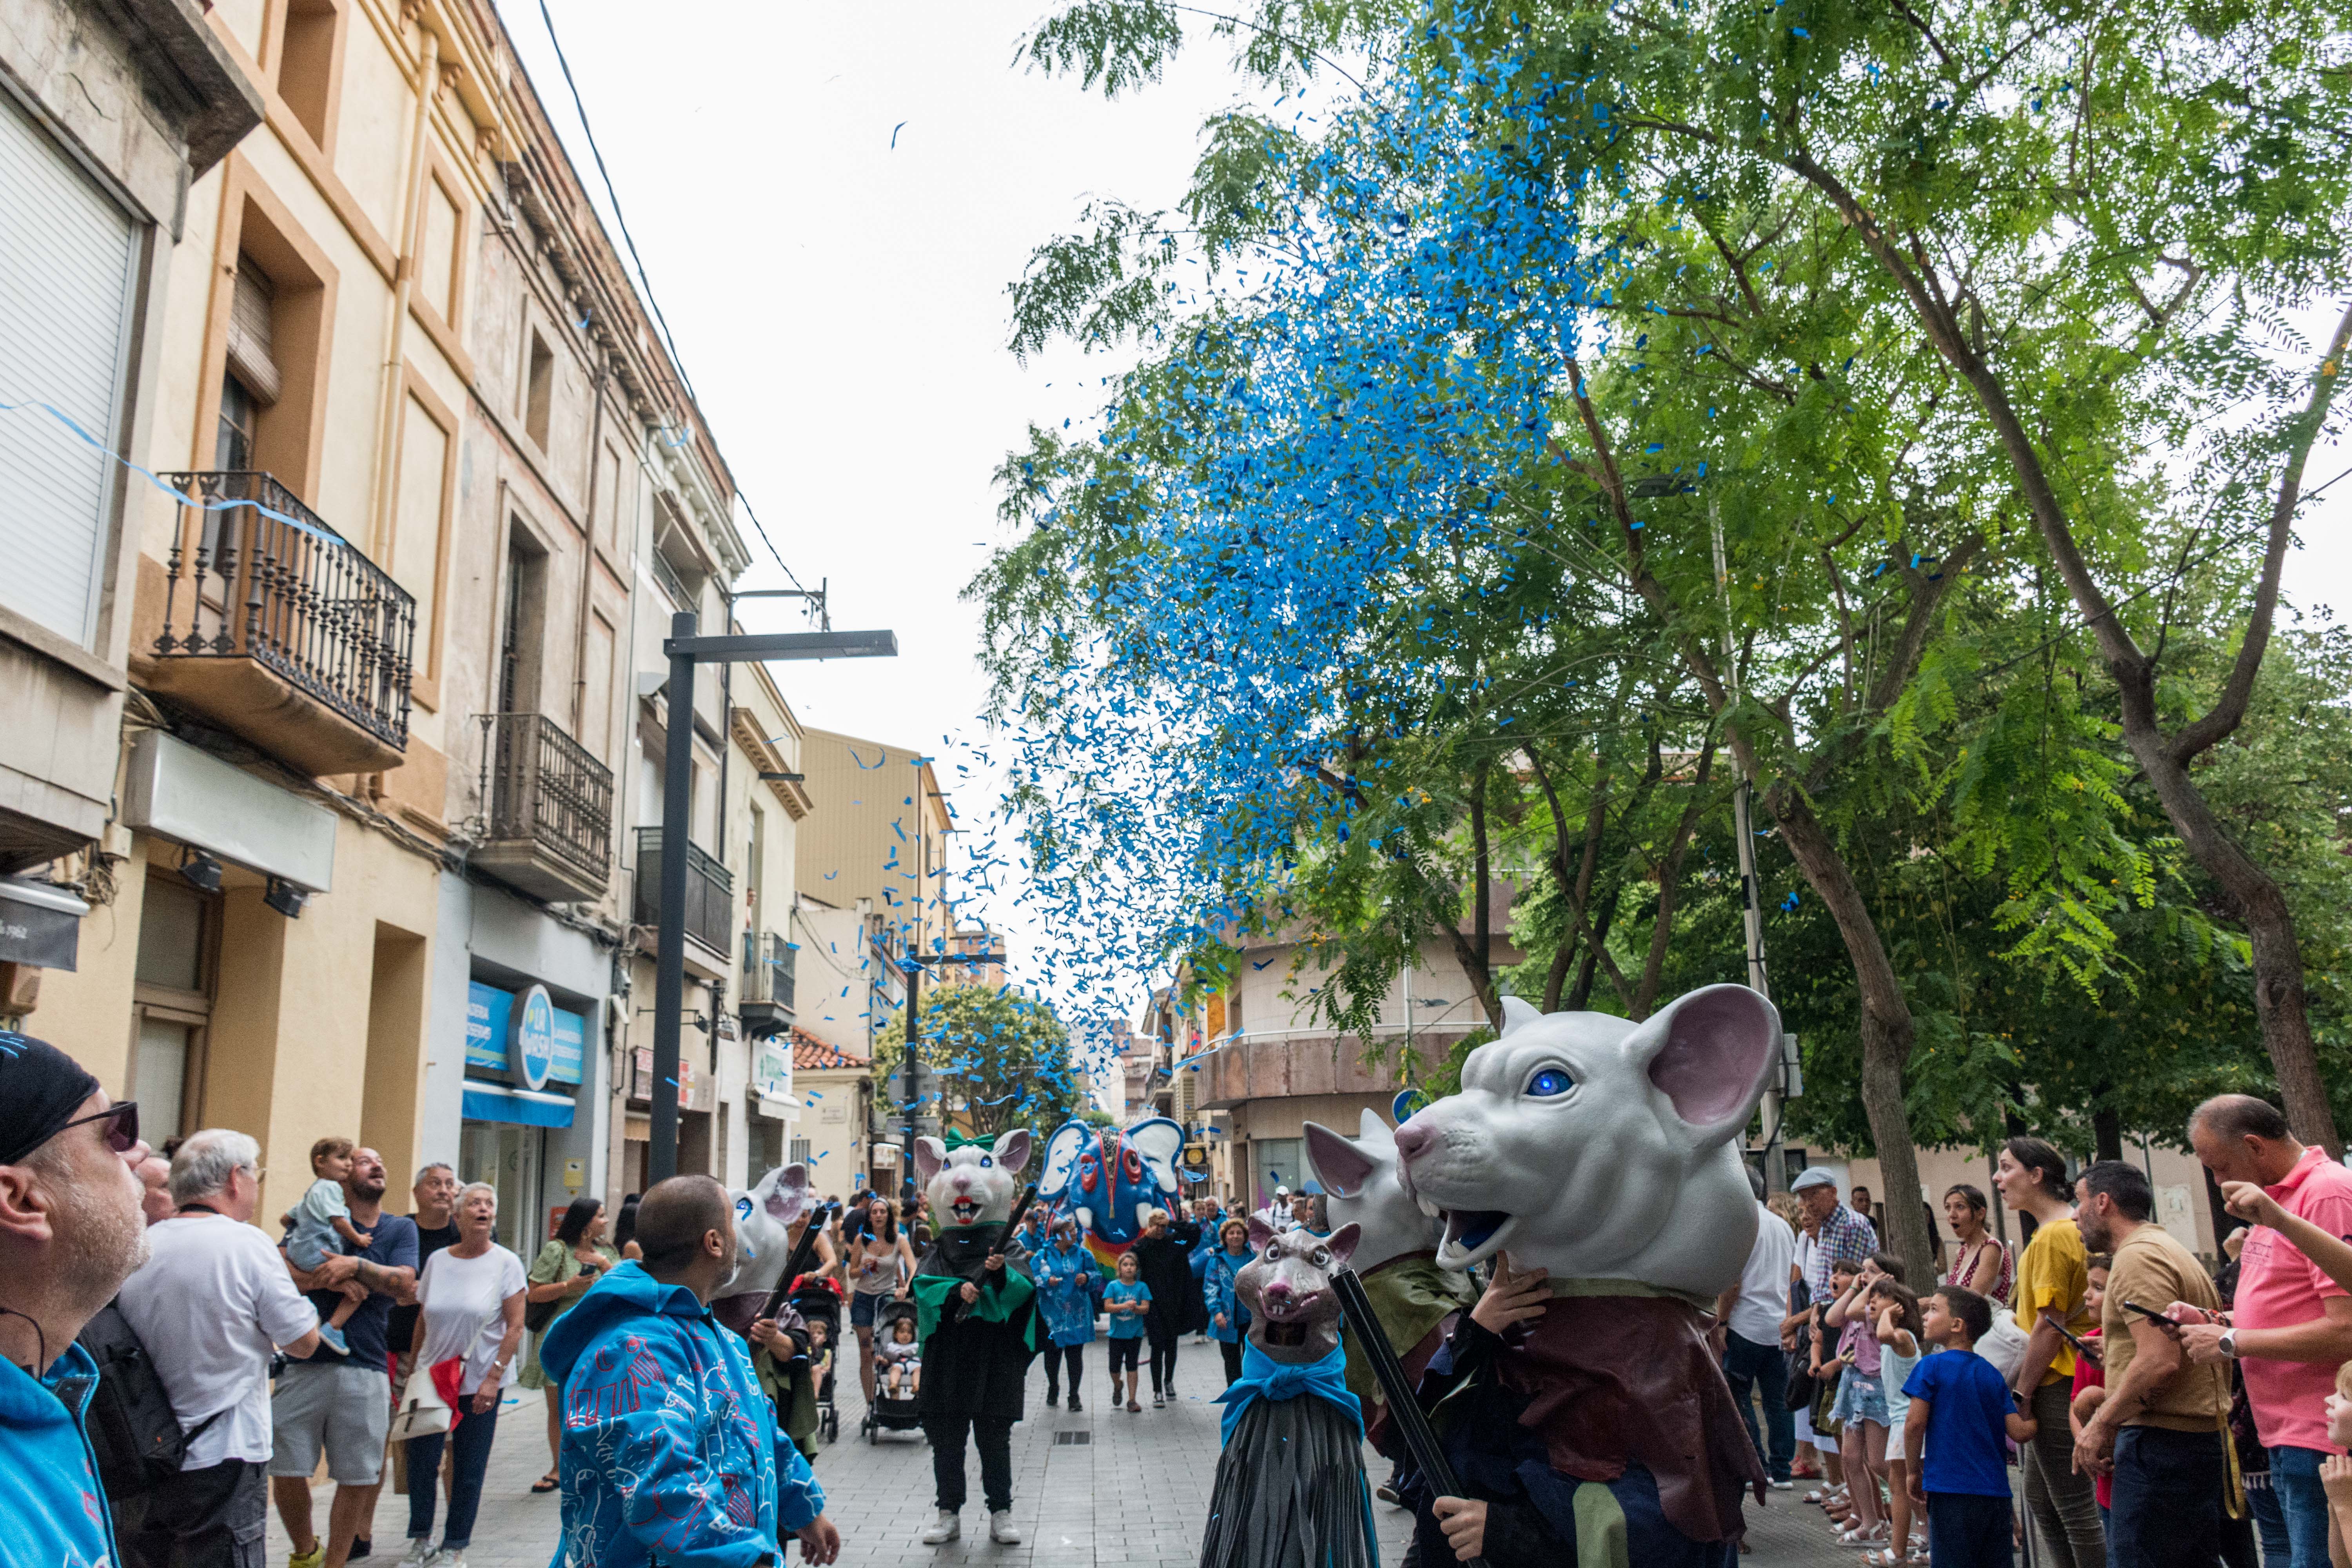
(1290, 1309)
(1472, 1234)
(965, 1211)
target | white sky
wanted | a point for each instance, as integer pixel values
(840, 301)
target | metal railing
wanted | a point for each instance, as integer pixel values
(294, 596)
(709, 892)
(768, 966)
(548, 788)
(671, 583)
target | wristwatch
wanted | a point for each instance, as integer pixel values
(2229, 1344)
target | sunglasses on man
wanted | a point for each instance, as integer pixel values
(122, 1128)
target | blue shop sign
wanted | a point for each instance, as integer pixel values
(523, 1035)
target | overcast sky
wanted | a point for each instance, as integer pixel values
(839, 300)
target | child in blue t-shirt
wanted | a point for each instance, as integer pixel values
(1125, 1298)
(1960, 1411)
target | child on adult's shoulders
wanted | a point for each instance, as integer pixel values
(1961, 1411)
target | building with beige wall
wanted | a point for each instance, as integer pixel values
(374, 703)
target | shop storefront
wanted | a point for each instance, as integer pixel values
(525, 1128)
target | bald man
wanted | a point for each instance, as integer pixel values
(670, 1450)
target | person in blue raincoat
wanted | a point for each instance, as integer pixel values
(1228, 1319)
(1069, 1290)
(671, 1453)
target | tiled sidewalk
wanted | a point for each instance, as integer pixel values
(1134, 1493)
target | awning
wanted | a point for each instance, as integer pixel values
(497, 1102)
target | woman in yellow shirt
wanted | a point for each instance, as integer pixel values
(2052, 1282)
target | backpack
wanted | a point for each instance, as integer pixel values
(133, 1431)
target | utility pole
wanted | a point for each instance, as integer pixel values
(685, 650)
(1751, 915)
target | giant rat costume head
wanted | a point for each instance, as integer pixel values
(1293, 1311)
(972, 1186)
(1108, 1178)
(1600, 1149)
(1360, 1181)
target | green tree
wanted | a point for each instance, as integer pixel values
(993, 1058)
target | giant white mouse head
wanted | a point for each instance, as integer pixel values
(970, 1184)
(764, 1216)
(1600, 1149)
(1360, 1178)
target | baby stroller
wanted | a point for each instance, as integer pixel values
(890, 1412)
(819, 1301)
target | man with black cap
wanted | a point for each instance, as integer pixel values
(70, 1232)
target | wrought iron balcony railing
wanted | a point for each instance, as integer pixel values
(291, 593)
(547, 794)
(768, 968)
(709, 892)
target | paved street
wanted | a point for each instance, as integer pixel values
(1133, 1490)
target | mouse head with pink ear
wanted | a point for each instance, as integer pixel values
(1360, 1174)
(1599, 1149)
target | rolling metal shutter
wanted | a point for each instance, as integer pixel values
(66, 286)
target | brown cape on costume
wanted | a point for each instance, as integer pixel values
(1613, 1378)
(1412, 1298)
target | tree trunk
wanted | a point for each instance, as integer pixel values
(2106, 1129)
(1886, 1019)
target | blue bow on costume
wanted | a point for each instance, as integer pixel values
(1263, 1378)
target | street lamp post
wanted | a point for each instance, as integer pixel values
(687, 649)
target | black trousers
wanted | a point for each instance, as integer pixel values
(1965, 1531)
(1123, 1353)
(1232, 1350)
(1054, 1356)
(1163, 1354)
(2165, 1508)
(995, 1437)
(214, 1517)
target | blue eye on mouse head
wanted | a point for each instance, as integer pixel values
(1548, 1083)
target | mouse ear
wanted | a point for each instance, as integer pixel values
(1339, 1165)
(1711, 1053)
(1341, 1244)
(1260, 1233)
(1516, 1013)
(929, 1155)
(1012, 1151)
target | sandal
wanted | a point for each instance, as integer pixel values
(547, 1483)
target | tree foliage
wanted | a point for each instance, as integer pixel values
(994, 1059)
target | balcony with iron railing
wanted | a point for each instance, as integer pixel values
(709, 893)
(548, 810)
(767, 998)
(277, 627)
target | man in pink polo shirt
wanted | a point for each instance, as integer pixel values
(2293, 1324)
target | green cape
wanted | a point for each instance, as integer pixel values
(1409, 1295)
(963, 1247)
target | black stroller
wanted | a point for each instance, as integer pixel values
(819, 1301)
(890, 1412)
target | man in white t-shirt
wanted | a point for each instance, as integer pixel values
(1750, 1313)
(212, 1303)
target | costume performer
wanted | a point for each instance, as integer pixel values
(1396, 1258)
(768, 1221)
(976, 1316)
(1290, 1490)
(1110, 1178)
(1593, 1161)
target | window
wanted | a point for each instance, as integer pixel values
(437, 256)
(65, 310)
(800, 1154)
(416, 518)
(525, 633)
(306, 63)
(608, 499)
(596, 699)
(233, 449)
(172, 1006)
(538, 391)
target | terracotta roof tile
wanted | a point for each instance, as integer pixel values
(812, 1055)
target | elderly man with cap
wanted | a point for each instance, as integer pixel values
(1839, 1235)
(70, 1232)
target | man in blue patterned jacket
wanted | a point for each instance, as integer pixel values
(671, 1452)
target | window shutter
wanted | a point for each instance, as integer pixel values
(250, 356)
(65, 257)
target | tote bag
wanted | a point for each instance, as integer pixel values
(423, 1411)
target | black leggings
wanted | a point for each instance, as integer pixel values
(1163, 1355)
(1232, 1349)
(1054, 1356)
(1122, 1355)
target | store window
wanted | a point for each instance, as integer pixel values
(172, 1002)
(510, 1158)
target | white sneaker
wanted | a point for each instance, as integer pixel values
(944, 1529)
(449, 1559)
(420, 1552)
(1001, 1529)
